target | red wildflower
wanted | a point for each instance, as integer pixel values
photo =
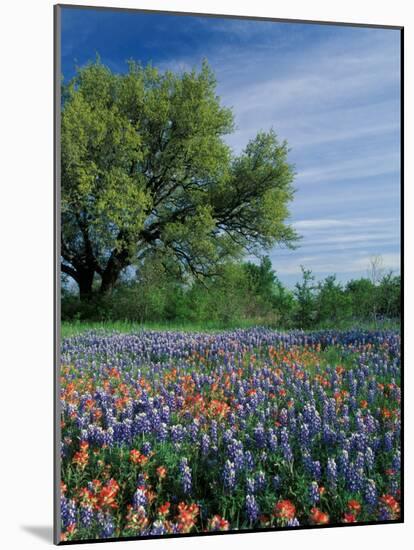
(217, 523)
(386, 413)
(164, 509)
(86, 496)
(89, 404)
(349, 518)
(69, 531)
(318, 517)
(354, 506)
(81, 458)
(107, 495)
(96, 484)
(218, 409)
(136, 519)
(391, 503)
(187, 515)
(264, 520)
(284, 509)
(161, 472)
(137, 458)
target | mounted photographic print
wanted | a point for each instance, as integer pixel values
(228, 274)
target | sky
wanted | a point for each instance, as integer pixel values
(333, 92)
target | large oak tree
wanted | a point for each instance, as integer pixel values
(145, 168)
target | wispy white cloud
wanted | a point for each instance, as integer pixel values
(332, 92)
(337, 264)
(351, 168)
(327, 223)
(337, 104)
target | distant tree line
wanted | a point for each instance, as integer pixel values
(240, 292)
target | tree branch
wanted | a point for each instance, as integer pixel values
(70, 271)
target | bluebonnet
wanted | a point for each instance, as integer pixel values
(272, 440)
(283, 417)
(370, 492)
(343, 463)
(259, 481)
(369, 458)
(213, 432)
(252, 508)
(328, 435)
(193, 430)
(259, 436)
(106, 524)
(284, 441)
(86, 515)
(304, 435)
(162, 432)
(307, 462)
(205, 444)
(177, 433)
(250, 485)
(139, 498)
(396, 461)
(141, 481)
(312, 418)
(388, 441)
(256, 437)
(331, 473)
(146, 448)
(314, 493)
(157, 528)
(276, 481)
(229, 475)
(316, 470)
(359, 461)
(354, 478)
(394, 487)
(185, 472)
(67, 511)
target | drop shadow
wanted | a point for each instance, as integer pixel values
(43, 532)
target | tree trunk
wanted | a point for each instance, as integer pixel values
(109, 278)
(85, 282)
(116, 263)
(83, 276)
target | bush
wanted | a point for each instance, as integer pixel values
(240, 293)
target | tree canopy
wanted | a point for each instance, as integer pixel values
(145, 169)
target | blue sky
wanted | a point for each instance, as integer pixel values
(333, 92)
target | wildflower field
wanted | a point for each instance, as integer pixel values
(173, 432)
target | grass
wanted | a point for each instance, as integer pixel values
(72, 328)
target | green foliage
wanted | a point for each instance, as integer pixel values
(305, 310)
(222, 299)
(361, 293)
(261, 277)
(238, 295)
(389, 295)
(332, 303)
(283, 302)
(145, 168)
